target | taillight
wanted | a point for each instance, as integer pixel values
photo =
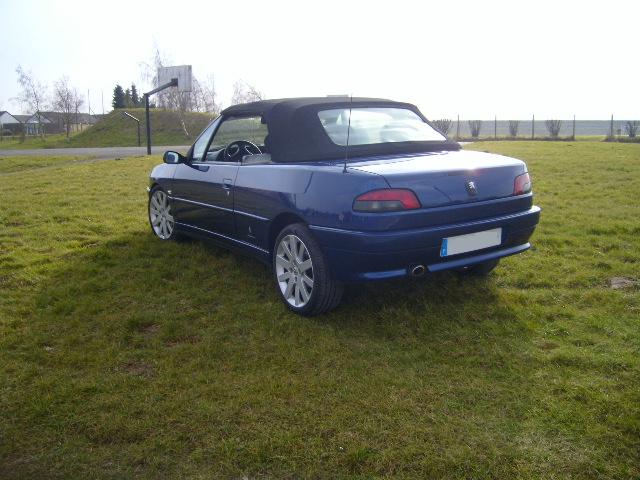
(522, 184)
(386, 200)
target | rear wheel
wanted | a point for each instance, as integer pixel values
(480, 269)
(302, 274)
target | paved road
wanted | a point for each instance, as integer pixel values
(96, 153)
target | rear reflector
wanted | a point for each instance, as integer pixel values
(386, 200)
(522, 184)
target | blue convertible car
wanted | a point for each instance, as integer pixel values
(334, 190)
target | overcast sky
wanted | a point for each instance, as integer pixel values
(473, 58)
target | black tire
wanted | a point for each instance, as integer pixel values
(326, 292)
(479, 269)
(174, 235)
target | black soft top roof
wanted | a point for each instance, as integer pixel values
(296, 134)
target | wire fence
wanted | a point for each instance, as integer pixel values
(537, 128)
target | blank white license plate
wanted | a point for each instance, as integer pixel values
(470, 242)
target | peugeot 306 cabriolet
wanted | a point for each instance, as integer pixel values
(329, 191)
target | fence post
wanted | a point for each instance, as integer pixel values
(611, 130)
(533, 127)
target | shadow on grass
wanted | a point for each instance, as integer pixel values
(143, 348)
(138, 274)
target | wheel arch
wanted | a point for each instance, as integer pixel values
(278, 223)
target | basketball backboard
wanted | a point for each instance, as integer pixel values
(181, 72)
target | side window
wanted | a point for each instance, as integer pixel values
(201, 142)
(249, 129)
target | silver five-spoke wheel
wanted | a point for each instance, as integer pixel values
(160, 215)
(294, 270)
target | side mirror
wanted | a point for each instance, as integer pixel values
(173, 158)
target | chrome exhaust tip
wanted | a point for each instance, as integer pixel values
(418, 270)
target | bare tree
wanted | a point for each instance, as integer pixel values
(513, 127)
(553, 126)
(245, 93)
(443, 125)
(205, 97)
(32, 96)
(631, 127)
(475, 126)
(67, 101)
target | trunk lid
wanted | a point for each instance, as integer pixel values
(448, 178)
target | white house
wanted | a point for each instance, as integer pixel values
(9, 123)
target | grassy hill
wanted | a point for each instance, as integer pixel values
(117, 130)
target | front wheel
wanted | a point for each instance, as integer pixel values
(302, 274)
(160, 216)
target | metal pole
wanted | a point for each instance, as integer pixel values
(533, 127)
(611, 131)
(146, 113)
(127, 114)
(172, 83)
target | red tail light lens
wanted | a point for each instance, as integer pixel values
(386, 200)
(522, 184)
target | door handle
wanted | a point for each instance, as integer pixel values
(227, 183)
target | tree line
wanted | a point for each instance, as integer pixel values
(128, 98)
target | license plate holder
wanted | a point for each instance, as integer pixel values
(470, 242)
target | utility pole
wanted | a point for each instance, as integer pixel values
(495, 127)
(102, 95)
(574, 127)
(458, 128)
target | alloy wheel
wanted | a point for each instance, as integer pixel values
(160, 215)
(294, 270)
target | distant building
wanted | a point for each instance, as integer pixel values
(55, 122)
(10, 125)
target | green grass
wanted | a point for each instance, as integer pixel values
(122, 356)
(19, 163)
(32, 142)
(116, 130)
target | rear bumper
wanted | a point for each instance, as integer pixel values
(363, 256)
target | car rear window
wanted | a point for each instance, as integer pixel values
(376, 125)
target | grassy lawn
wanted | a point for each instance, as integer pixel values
(30, 162)
(122, 356)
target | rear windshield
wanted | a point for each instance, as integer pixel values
(376, 125)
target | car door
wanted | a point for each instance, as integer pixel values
(202, 188)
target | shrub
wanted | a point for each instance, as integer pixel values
(475, 126)
(513, 127)
(554, 127)
(443, 125)
(631, 127)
